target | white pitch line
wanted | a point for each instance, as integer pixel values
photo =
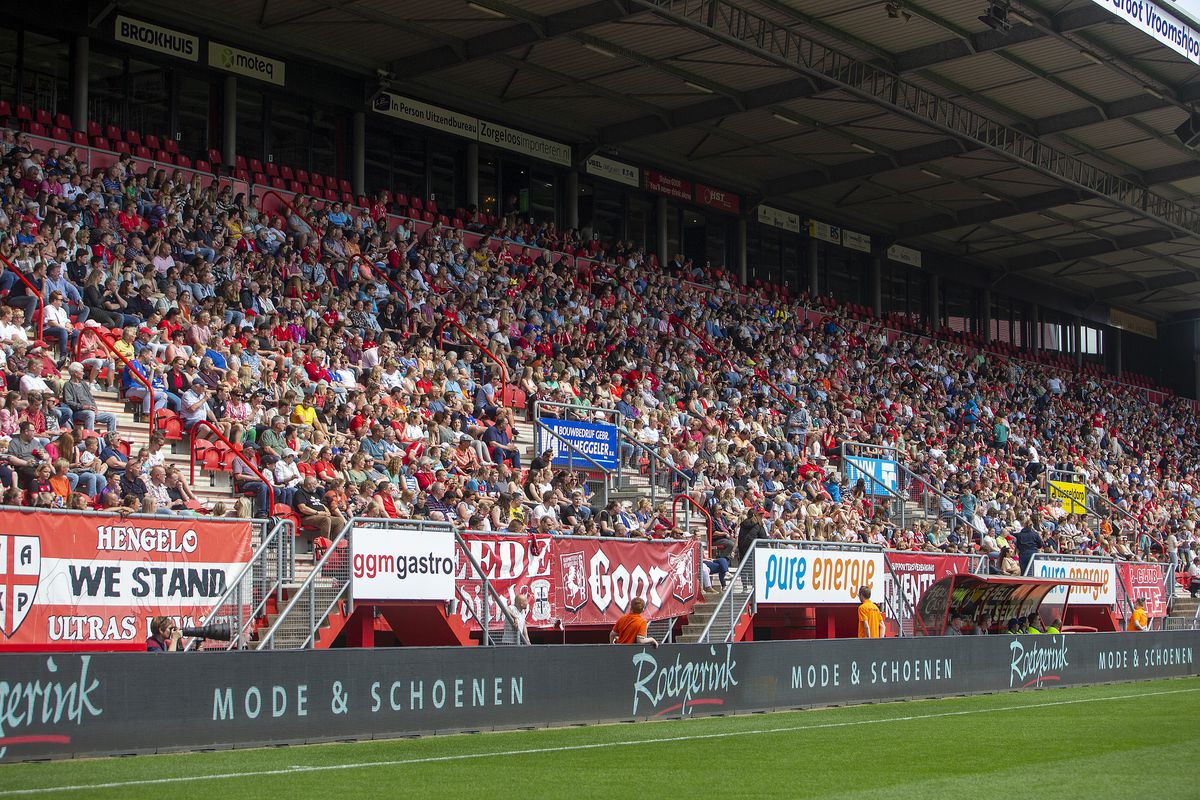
(296, 770)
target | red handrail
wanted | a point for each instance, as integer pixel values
(237, 452)
(692, 501)
(397, 288)
(36, 293)
(442, 346)
(108, 344)
(294, 210)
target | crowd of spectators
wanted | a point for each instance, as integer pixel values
(311, 338)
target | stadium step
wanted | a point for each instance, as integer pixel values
(704, 611)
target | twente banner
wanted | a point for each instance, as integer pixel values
(83, 582)
(64, 705)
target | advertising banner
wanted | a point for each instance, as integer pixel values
(426, 115)
(598, 440)
(720, 199)
(856, 241)
(515, 566)
(1145, 580)
(824, 231)
(157, 38)
(669, 185)
(1102, 572)
(402, 565)
(243, 62)
(597, 578)
(778, 218)
(83, 703)
(614, 170)
(94, 583)
(1073, 496)
(904, 255)
(877, 474)
(526, 144)
(1159, 24)
(914, 572)
(800, 576)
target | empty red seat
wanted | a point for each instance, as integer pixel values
(24, 113)
(100, 143)
(183, 161)
(415, 204)
(315, 190)
(277, 183)
(37, 129)
(163, 156)
(5, 110)
(63, 121)
(43, 117)
(112, 132)
(302, 175)
(141, 151)
(253, 164)
(151, 141)
(295, 186)
(271, 169)
(241, 175)
(214, 156)
(431, 205)
(169, 423)
(331, 195)
(344, 185)
(239, 162)
(331, 183)
(171, 146)
(258, 177)
(133, 137)
(61, 134)
(286, 173)
(201, 166)
(401, 200)
(93, 128)
(79, 138)
(121, 147)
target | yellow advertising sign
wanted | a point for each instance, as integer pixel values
(1072, 495)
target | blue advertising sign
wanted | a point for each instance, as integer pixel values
(881, 469)
(597, 440)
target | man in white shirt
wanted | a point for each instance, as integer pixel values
(287, 473)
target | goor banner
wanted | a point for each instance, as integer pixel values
(93, 583)
(1147, 581)
(596, 579)
(515, 566)
(402, 565)
(800, 576)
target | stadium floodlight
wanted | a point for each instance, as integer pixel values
(862, 147)
(896, 10)
(995, 15)
(698, 87)
(786, 119)
(930, 173)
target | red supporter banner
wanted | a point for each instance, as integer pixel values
(719, 199)
(915, 572)
(1148, 581)
(83, 582)
(597, 578)
(668, 185)
(577, 581)
(514, 566)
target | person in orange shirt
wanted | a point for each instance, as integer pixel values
(631, 627)
(1140, 620)
(870, 620)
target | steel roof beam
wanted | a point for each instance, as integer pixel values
(1154, 284)
(1100, 247)
(990, 211)
(526, 32)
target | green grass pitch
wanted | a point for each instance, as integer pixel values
(1094, 743)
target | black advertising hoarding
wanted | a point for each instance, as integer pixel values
(64, 705)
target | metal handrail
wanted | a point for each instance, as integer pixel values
(687, 498)
(736, 581)
(572, 449)
(447, 318)
(294, 211)
(36, 293)
(237, 452)
(267, 642)
(278, 535)
(143, 380)
(654, 458)
(489, 592)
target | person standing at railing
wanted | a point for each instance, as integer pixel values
(631, 627)
(870, 619)
(1139, 620)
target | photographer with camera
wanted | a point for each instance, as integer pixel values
(164, 637)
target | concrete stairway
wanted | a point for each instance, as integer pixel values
(1183, 613)
(736, 594)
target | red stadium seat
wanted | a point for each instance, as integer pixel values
(151, 141)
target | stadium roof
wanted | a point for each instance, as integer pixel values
(1046, 151)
